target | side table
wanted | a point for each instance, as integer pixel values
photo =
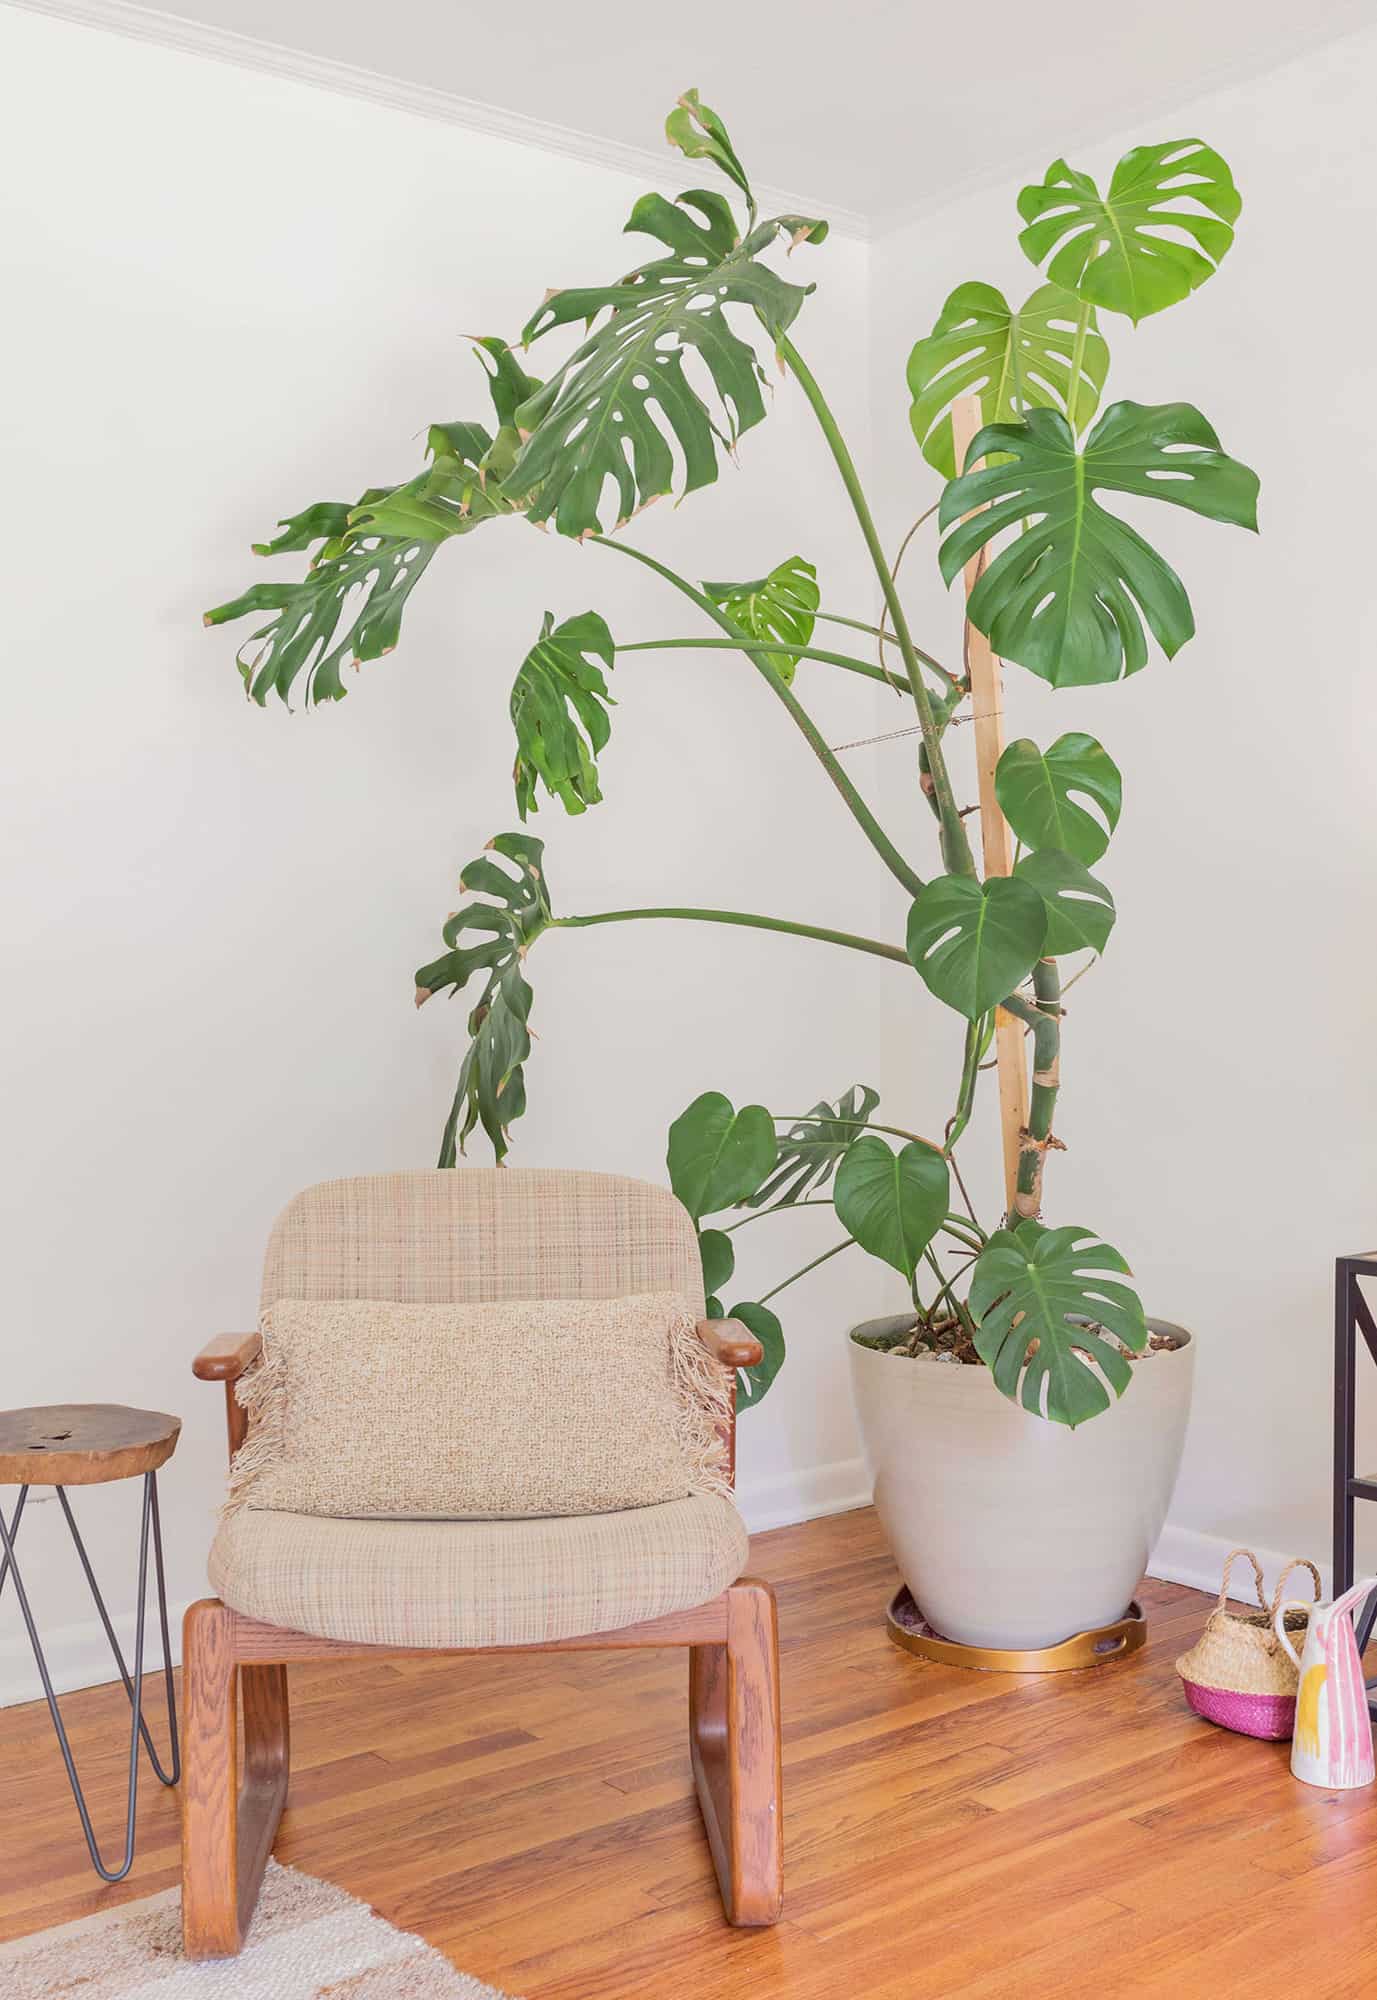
(90, 1444)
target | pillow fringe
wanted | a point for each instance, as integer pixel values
(261, 1394)
(704, 1400)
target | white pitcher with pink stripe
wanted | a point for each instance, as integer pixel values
(1332, 1744)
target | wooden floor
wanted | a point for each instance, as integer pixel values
(946, 1833)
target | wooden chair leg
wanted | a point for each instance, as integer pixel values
(734, 1735)
(227, 1833)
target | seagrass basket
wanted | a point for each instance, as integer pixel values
(1237, 1673)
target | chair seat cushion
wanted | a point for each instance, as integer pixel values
(476, 1583)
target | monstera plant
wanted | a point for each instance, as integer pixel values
(667, 371)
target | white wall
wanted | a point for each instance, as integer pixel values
(1220, 1097)
(229, 295)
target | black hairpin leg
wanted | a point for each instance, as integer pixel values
(133, 1687)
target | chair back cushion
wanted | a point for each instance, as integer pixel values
(459, 1235)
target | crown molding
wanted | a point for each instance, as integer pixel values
(226, 45)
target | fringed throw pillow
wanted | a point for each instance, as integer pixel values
(363, 1407)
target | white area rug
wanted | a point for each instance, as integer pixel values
(308, 1939)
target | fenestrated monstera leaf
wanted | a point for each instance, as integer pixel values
(559, 711)
(1041, 1302)
(606, 413)
(1039, 793)
(972, 943)
(1160, 231)
(718, 1156)
(1014, 361)
(491, 1090)
(380, 547)
(810, 1149)
(1080, 911)
(893, 1203)
(781, 606)
(1064, 598)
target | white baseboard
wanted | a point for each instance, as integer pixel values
(1184, 1556)
(78, 1654)
(804, 1495)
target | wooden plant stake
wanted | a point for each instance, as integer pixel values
(987, 706)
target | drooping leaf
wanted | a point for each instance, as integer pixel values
(781, 606)
(1014, 361)
(1161, 230)
(491, 1090)
(1080, 911)
(609, 412)
(718, 1156)
(559, 711)
(718, 1253)
(368, 557)
(1064, 598)
(810, 1149)
(972, 943)
(698, 132)
(752, 1383)
(1039, 793)
(892, 1203)
(1033, 1290)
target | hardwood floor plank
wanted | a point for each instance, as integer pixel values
(948, 1835)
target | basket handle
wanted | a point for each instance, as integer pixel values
(1257, 1577)
(1297, 1562)
(1279, 1623)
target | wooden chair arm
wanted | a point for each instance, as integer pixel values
(225, 1358)
(731, 1343)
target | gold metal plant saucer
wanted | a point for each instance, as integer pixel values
(910, 1630)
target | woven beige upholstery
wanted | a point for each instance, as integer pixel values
(482, 1233)
(464, 1235)
(477, 1583)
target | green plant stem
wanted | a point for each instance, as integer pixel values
(780, 1208)
(888, 639)
(949, 1284)
(1044, 1017)
(835, 1251)
(852, 666)
(1073, 382)
(743, 917)
(956, 848)
(817, 743)
(867, 1124)
(970, 1074)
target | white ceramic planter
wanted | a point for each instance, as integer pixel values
(1010, 1531)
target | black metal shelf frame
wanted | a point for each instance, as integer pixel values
(1352, 1316)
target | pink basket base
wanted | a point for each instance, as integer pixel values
(1272, 1716)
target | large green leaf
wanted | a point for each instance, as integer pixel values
(781, 606)
(1039, 793)
(1064, 598)
(1080, 911)
(752, 1383)
(718, 1156)
(1014, 361)
(559, 711)
(718, 1255)
(892, 1203)
(971, 942)
(1161, 230)
(491, 1090)
(810, 1149)
(608, 414)
(1033, 1290)
(369, 556)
